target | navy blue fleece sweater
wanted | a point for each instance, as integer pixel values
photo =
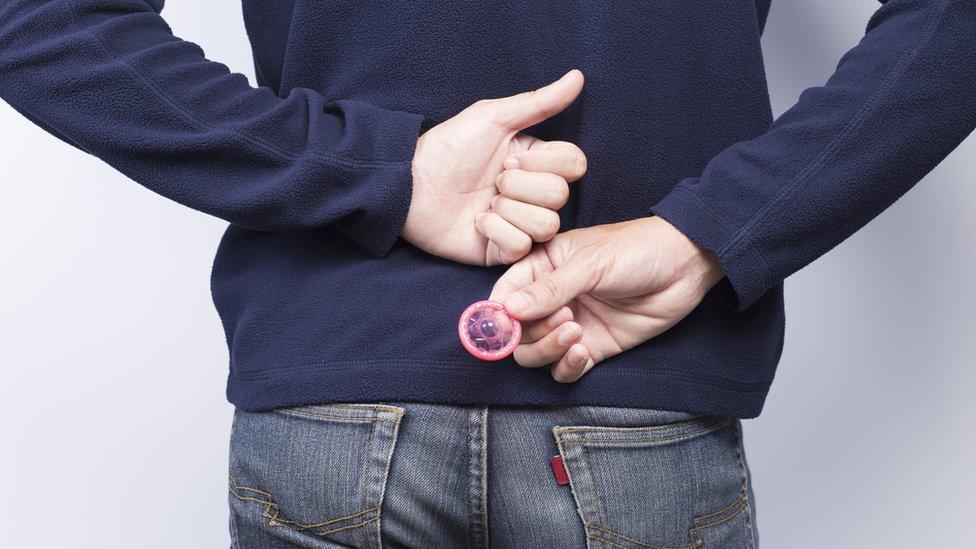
(322, 302)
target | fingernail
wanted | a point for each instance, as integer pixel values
(511, 163)
(582, 360)
(518, 303)
(567, 336)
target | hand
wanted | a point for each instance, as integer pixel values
(592, 293)
(457, 171)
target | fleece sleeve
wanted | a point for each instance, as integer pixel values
(898, 103)
(109, 77)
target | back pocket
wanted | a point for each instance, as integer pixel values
(680, 485)
(313, 475)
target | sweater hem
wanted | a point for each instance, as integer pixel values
(491, 385)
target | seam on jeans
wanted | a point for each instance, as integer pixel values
(357, 412)
(742, 501)
(608, 542)
(484, 474)
(472, 538)
(638, 542)
(235, 543)
(349, 527)
(386, 475)
(272, 512)
(365, 478)
(572, 483)
(722, 511)
(675, 438)
(597, 500)
(723, 521)
(739, 452)
(327, 417)
(362, 406)
(477, 501)
(661, 427)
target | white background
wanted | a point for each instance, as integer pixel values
(114, 426)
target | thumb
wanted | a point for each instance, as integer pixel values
(520, 111)
(551, 291)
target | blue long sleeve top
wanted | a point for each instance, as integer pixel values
(320, 299)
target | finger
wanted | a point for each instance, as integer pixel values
(520, 274)
(527, 109)
(539, 223)
(556, 157)
(493, 255)
(551, 291)
(511, 243)
(537, 329)
(576, 362)
(542, 189)
(550, 348)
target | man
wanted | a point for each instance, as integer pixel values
(371, 190)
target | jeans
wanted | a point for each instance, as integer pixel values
(421, 475)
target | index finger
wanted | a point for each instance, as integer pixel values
(520, 274)
(558, 157)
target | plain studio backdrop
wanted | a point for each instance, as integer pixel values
(115, 427)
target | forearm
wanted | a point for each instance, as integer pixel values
(898, 103)
(110, 78)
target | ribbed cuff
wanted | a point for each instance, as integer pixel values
(746, 278)
(377, 223)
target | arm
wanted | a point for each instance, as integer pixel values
(898, 103)
(108, 77)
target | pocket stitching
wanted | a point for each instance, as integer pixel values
(275, 519)
(381, 416)
(695, 544)
(706, 428)
(695, 531)
(608, 542)
(378, 414)
(661, 427)
(708, 425)
(592, 478)
(736, 502)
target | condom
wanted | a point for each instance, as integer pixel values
(488, 332)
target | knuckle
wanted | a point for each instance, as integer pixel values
(561, 376)
(561, 193)
(540, 109)
(504, 257)
(523, 246)
(550, 226)
(481, 104)
(548, 288)
(523, 357)
(504, 183)
(579, 166)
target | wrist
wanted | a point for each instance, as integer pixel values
(693, 263)
(418, 174)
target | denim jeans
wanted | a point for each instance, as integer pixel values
(421, 475)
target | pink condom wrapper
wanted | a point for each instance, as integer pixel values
(488, 332)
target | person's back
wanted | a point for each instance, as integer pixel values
(333, 323)
(361, 420)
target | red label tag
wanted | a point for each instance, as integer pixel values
(558, 469)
